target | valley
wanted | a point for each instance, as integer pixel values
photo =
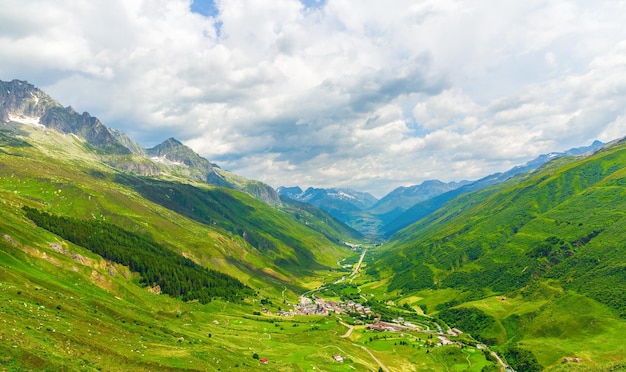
(112, 260)
(66, 307)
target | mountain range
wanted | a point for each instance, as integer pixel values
(116, 257)
(407, 204)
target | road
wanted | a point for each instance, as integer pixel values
(354, 272)
(358, 265)
(504, 365)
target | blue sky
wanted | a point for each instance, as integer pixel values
(206, 8)
(369, 95)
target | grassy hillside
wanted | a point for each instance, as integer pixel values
(320, 220)
(73, 310)
(547, 249)
(216, 227)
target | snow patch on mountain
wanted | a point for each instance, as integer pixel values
(341, 195)
(28, 120)
(164, 160)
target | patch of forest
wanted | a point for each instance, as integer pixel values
(176, 275)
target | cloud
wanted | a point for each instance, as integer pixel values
(368, 95)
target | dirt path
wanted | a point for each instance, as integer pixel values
(374, 357)
(349, 331)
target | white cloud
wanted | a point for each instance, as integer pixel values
(370, 95)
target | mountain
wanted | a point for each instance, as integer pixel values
(362, 211)
(127, 142)
(426, 207)
(24, 103)
(339, 202)
(401, 198)
(20, 101)
(535, 258)
(85, 126)
(176, 157)
(320, 220)
(293, 192)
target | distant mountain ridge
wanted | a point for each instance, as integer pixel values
(361, 200)
(426, 207)
(401, 198)
(407, 204)
(338, 202)
(24, 103)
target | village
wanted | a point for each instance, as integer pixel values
(320, 306)
(325, 307)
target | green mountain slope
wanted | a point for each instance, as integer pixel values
(213, 225)
(550, 243)
(320, 220)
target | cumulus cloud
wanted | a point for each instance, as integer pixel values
(368, 95)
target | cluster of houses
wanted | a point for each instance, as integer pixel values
(400, 325)
(454, 332)
(323, 307)
(443, 341)
(384, 326)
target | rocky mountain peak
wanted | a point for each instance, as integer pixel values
(19, 99)
(175, 151)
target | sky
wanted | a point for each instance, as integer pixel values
(369, 95)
